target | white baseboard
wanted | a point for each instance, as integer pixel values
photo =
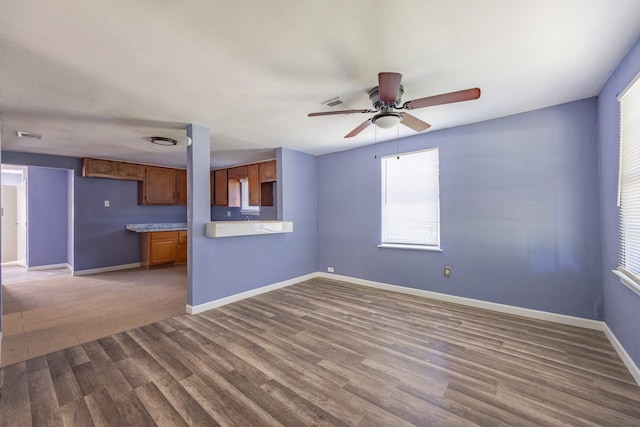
(628, 361)
(501, 308)
(49, 267)
(195, 309)
(9, 263)
(106, 269)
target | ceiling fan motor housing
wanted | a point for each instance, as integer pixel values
(374, 96)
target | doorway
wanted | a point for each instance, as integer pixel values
(36, 220)
(14, 216)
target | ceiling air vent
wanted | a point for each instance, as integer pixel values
(332, 102)
(31, 135)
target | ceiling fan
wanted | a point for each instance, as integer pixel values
(386, 101)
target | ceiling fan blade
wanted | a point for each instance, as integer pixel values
(388, 86)
(359, 129)
(445, 98)
(330, 113)
(414, 123)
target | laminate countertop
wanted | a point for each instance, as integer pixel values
(164, 226)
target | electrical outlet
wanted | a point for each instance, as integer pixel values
(447, 271)
(106, 203)
(330, 269)
(228, 214)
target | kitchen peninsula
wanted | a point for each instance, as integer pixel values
(166, 243)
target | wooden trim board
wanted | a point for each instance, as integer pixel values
(195, 309)
(106, 269)
(628, 361)
(501, 308)
(49, 267)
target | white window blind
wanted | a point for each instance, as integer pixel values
(411, 199)
(629, 182)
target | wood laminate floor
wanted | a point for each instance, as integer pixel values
(18, 274)
(328, 353)
(57, 311)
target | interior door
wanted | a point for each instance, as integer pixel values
(21, 219)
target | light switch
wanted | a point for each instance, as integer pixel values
(106, 203)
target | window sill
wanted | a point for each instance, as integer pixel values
(627, 281)
(413, 247)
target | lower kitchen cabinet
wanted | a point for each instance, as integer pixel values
(163, 247)
(181, 256)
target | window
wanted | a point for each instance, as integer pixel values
(629, 187)
(411, 201)
(246, 209)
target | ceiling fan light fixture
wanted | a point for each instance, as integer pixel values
(161, 140)
(387, 120)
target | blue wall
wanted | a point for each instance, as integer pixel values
(519, 213)
(238, 264)
(47, 216)
(622, 306)
(99, 236)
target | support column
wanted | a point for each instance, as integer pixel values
(198, 206)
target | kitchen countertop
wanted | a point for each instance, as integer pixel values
(165, 226)
(247, 228)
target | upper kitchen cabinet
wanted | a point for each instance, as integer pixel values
(238, 172)
(268, 171)
(99, 168)
(132, 171)
(253, 175)
(260, 176)
(212, 188)
(181, 186)
(159, 187)
(220, 187)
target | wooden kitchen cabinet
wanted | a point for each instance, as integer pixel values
(238, 172)
(226, 188)
(212, 188)
(181, 249)
(158, 247)
(99, 168)
(268, 171)
(253, 174)
(181, 187)
(220, 187)
(131, 171)
(158, 187)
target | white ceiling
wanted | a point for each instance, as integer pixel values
(97, 77)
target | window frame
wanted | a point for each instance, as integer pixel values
(383, 192)
(629, 278)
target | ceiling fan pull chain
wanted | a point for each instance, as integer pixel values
(398, 142)
(375, 143)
